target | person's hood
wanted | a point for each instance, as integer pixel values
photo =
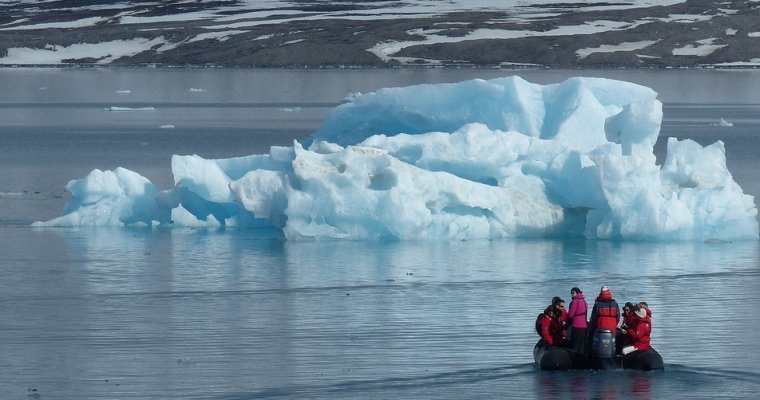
(605, 296)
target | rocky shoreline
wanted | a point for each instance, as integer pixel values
(692, 34)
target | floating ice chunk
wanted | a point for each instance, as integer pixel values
(117, 108)
(723, 123)
(476, 159)
(111, 198)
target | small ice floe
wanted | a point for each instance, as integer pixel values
(124, 91)
(723, 123)
(291, 109)
(114, 108)
(168, 126)
(197, 90)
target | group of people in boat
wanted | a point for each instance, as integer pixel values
(569, 327)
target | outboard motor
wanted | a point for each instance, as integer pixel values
(603, 349)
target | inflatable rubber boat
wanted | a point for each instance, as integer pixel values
(602, 356)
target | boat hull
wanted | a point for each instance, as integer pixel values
(553, 358)
(647, 360)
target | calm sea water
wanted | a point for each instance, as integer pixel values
(191, 313)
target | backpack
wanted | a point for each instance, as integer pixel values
(538, 323)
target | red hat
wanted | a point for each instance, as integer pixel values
(605, 293)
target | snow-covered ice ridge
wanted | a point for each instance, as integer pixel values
(469, 160)
(552, 33)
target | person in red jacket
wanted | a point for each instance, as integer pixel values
(604, 317)
(550, 327)
(622, 339)
(560, 326)
(639, 333)
(628, 315)
(644, 305)
(605, 314)
(546, 325)
(559, 307)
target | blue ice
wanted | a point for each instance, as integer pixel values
(476, 159)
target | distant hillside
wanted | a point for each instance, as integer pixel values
(555, 34)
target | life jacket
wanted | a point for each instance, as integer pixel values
(607, 315)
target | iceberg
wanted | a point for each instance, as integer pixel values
(479, 159)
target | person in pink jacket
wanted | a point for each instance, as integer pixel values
(576, 318)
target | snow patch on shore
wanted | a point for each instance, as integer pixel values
(703, 48)
(386, 50)
(103, 52)
(612, 48)
(755, 62)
